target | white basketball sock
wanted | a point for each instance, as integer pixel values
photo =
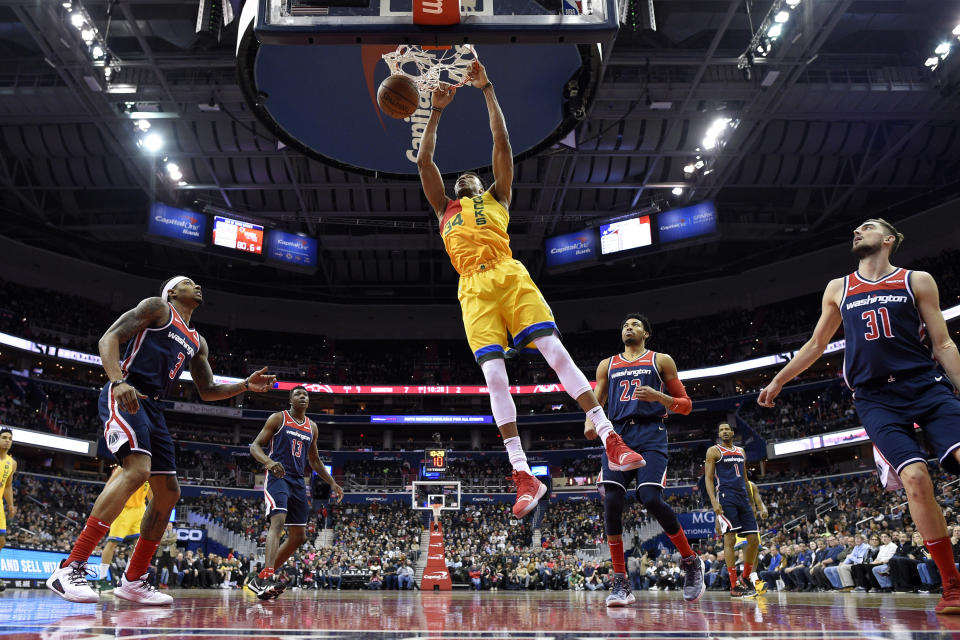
(600, 423)
(517, 457)
(103, 571)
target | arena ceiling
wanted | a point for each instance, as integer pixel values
(839, 121)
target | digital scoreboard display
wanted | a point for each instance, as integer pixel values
(624, 235)
(237, 234)
(435, 461)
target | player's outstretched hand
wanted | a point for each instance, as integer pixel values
(276, 469)
(589, 431)
(443, 95)
(337, 490)
(127, 397)
(763, 514)
(478, 75)
(766, 397)
(260, 381)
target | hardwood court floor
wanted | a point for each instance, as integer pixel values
(391, 615)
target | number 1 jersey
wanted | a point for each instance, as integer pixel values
(882, 328)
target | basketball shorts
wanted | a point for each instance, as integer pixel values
(499, 302)
(653, 473)
(127, 525)
(290, 495)
(888, 411)
(142, 432)
(3, 520)
(738, 516)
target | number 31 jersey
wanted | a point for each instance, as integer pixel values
(882, 328)
(474, 232)
(291, 445)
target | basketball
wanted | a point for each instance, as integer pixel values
(398, 96)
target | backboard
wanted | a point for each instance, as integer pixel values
(320, 99)
(390, 22)
(427, 492)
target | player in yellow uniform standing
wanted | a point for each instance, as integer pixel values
(8, 467)
(497, 296)
(125, 529)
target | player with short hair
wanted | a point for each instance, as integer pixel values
(8, 467)
(626, 383)
(725, 471)
(125, 529)
(292, 438)
(497, 296)
(159, 343)
(886, 313)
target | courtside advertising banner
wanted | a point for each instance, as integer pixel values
(571, 248)
(688, 222)
(27, 564)
(698, 524)
(293, 249)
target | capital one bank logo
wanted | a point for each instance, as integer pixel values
(436, 575)
(435, 556)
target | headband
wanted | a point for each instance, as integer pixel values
(170, 284)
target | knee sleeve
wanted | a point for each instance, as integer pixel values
(501, 402)
(652, 499)
(613, 501)
(572, 379)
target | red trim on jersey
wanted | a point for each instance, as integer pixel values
(856, 284)
(180, 324)
(618, 361)
(289, 421)
(117, 419)
(137, 343)
(453, 207)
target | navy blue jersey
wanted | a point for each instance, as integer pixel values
(730, 477)
(156, 355)
(291, 445)
(624, 379)
(883, 329)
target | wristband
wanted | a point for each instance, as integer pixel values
(114, 383)
(246, 384)
(437, 109)
(489, 85)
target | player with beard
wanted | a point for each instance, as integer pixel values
(497, 296)
(626, 382)
(886, 313)
(159, 343)
(290, 434)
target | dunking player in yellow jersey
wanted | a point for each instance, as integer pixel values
(497, 296)
(125, 529)
(8, 467)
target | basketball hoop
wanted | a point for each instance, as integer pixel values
(436, 508)
(429, 68)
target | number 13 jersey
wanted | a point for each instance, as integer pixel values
(882, 328)
(291, 445)
(474, 233)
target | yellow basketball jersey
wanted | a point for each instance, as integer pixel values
(6, 470)
(474, 232)
(139, 498)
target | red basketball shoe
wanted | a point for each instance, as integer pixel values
(620, 457)
(950, 601)
(529, 492)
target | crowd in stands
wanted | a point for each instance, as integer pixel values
(719, 338)
(802, 414)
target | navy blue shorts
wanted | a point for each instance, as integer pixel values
(889, 410)
(142, 432)
(738, 516)
(290, 495)
(653, 473)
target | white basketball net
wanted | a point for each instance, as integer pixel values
(436, 511)
(429, 68)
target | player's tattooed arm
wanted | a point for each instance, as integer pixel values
(259, 445)
(202, 374)
(150, 312)
(317, 464)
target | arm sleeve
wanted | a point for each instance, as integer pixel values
(681, 401)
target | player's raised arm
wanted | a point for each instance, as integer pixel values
(502, 187)
(317, 464)
(928, 304)
(259, 444)
(430, 176)
(589, 430)
(202, 374)
(827, 325)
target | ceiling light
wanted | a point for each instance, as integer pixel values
(107, 72)
(97, 52)
(932, 62)
(143, 125)
(793, 3)
(87, 35)
(689, 168)
(152, 142)
(775, 30)
(943, 49)
(68, 5)
(782, 16)
(76, 19)
(956, 30)
(677, 191)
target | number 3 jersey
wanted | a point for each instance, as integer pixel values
(882, 328)
(474, 232)
(156, 356)
(291, 444)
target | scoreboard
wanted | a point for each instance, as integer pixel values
(435, 461)
(237, 234)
